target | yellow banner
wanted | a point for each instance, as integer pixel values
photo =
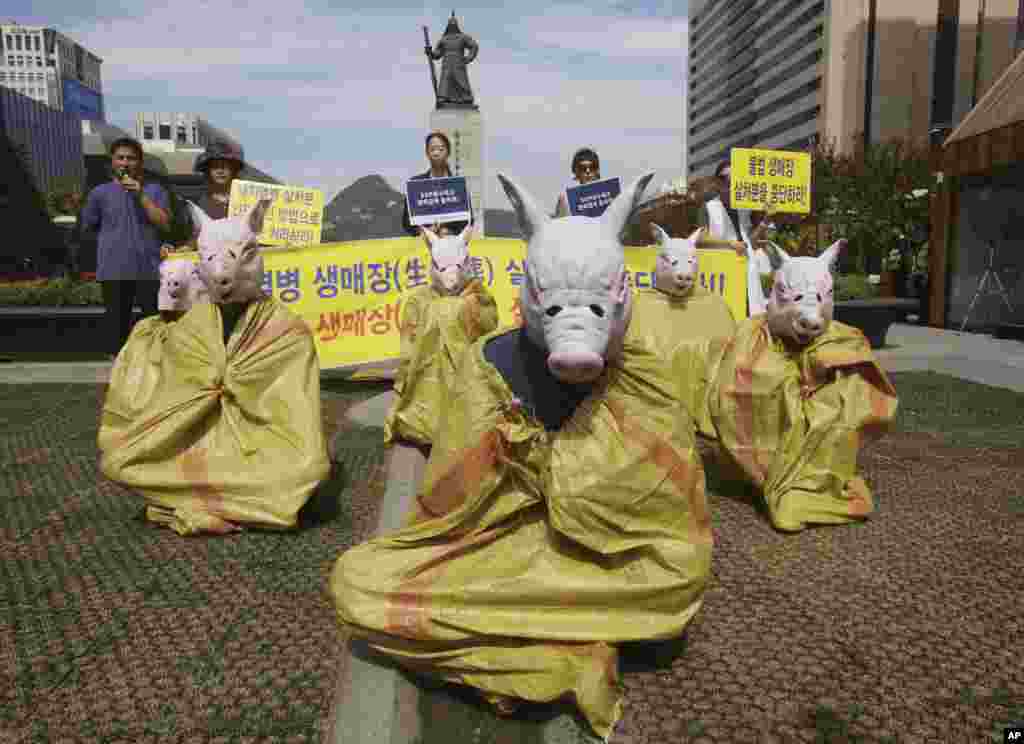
(295, 217)
(775, 179)
(350, 294)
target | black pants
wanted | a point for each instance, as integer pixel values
(119, 297)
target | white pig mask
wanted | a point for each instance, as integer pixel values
(230, 263)
(175, 274)
(675, 269)
(575, 298)
(800, 305)
(450, 267)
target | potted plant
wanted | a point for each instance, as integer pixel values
(892, 263)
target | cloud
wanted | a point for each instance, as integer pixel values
(323, 96)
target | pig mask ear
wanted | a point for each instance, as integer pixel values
(617, 214)
(200, 220)
(257, 214)
(831, 255)
(531, 217)
(696, 235)
(468, 233)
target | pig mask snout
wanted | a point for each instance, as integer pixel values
(576, 366)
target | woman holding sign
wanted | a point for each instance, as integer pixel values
(586, 167)
(438, 147)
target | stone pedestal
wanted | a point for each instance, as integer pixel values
(464, 127)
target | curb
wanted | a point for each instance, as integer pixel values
(374, 702)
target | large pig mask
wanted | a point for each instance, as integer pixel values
(575, 298)
(230, 264)
(675, 269)
(450, 268)
(800, 305)
(175, 281)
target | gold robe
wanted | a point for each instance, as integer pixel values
(532, 553)
(223, 436)
(436, 330)
(794, 419)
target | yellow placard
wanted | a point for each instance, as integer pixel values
(350, 294)
(295, 217)
(779, 180)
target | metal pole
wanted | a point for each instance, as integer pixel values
(430, 61)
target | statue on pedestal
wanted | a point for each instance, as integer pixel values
(453, 90)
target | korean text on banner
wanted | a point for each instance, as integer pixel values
(591, 199)
(776, 179)
(441, 200)
(295, 217)
(350, 294)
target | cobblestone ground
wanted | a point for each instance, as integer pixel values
(112, 629)
(907, 628)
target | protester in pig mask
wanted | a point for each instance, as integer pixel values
(232, 436)
(687, 323)
(136, 373)
(439, 322)
(797, 393)
(562, 510)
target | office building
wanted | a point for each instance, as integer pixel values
(785, 74)
(48, 141)
(47, 66)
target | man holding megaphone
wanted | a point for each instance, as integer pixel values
(129, 216)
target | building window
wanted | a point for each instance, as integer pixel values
(165, 131)
(50, 63)
(17, 42)
(37, 43)
(182, 135)
(147, 131)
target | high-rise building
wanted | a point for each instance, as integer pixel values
(782, 74)
(45, 65)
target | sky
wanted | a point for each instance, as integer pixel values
(320, 95)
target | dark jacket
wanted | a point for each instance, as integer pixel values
(455, 227)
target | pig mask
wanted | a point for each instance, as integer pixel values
(230, 263)
(675, 269)
(175, 277)
(450, 269)
(575, 298)
(800, 305)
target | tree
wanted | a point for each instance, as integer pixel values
(876, 196)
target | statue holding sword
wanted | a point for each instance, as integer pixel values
(455, 50)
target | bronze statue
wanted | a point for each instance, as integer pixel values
(453, 88)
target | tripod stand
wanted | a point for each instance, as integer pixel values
(990, 275)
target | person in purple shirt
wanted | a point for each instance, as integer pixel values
(128, 216)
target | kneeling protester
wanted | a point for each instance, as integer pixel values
(562, 510)
(230, 434)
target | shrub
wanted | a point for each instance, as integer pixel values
(51, 292)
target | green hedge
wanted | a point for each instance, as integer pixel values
(52, 292)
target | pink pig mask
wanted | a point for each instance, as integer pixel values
(450, 268)
(175, 279)
(675, 269)
(576, 301)
(800, 305)
(230, 263)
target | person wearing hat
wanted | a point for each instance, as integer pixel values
(221, 163)
(586, 167)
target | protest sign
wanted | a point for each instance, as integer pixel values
(295, 217)
(770, 179)
(591, 199)
(351, 294)
(441, 200)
